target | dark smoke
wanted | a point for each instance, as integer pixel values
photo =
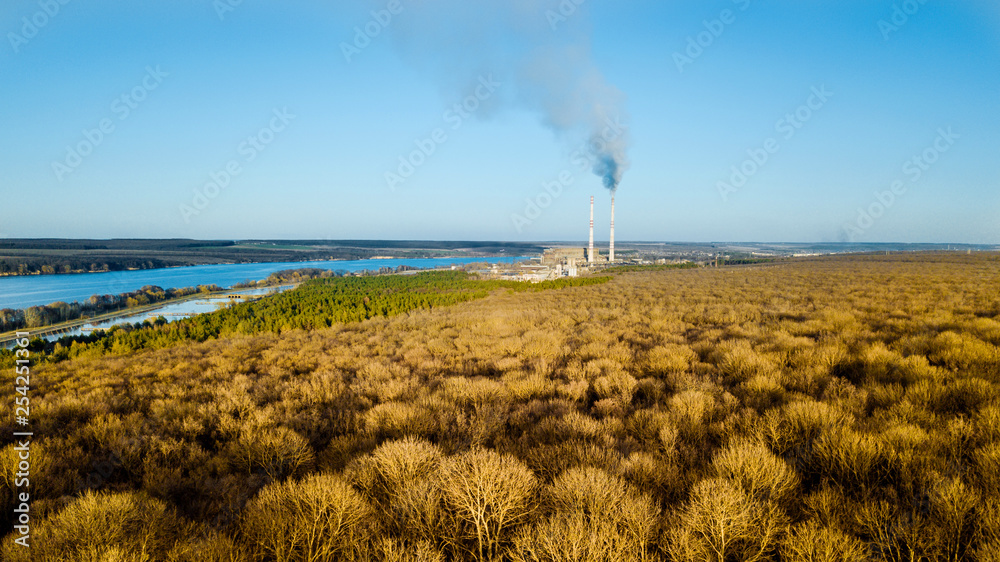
(540, 53)
(609, 170)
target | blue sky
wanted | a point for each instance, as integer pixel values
(328, 130)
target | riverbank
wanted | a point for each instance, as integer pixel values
(52, 256)
(21, 292)
(64, 327)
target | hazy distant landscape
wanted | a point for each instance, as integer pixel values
(54, 256)
(51, 256)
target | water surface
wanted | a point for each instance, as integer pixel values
(34, 290)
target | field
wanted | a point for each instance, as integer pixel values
(836, 408)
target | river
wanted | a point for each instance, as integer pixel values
(34, 290)
(170, 311)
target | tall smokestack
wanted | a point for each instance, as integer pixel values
(590, 253)
(611, 251)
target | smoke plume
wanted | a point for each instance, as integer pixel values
(538, 49)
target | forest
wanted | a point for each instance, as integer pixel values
(317, 303)
(825, 409)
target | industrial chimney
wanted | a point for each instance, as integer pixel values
(590, 253)
(611, 251)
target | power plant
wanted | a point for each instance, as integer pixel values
(592, 254)
(590, 251)
(559, 261)
(611, 249)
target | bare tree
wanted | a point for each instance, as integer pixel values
(490, 494)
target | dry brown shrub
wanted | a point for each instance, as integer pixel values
(594, 516)
(523, 387)
(420, 513)
(739, 362)
(879, 364)
(650, 391)
(467, 392)
(652, 428)
(764, 477)
(668, 359)
(490, 495)
(813, 542)
(807, 379)
(41, 465)
(342, 449)
(762, 391)
(601, 495)
(794, 427)
(655, 473)
(392, 467)
(212, 547)
(692, 407)
(616, 385)
(829, 508)
(987, 424)
(964, 396)
(987, 468)
(569, 537)
(609, 408)
(483, 426)
(393, 550)
(960, 351)
(720, 522)
(322, 386)
(953, 508)
(886, 396)
(384, 381)
(548, 461)
(278, 452)
(696, 412)
(115, 527)
(170, 466)
(320, 518)
(857, 460)
(393, 420)
(846, 397)
(988, 515)
(898, 532)
(580, 425)
(575, 390)
(839, 320)
(988, 551)
(905, 436)
(786, 345)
